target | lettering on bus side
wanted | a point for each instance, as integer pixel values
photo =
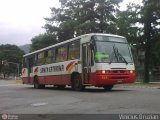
(52, 69)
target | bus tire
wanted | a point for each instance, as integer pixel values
(61, 86)
(77, 83)
(108, 87)
(36, 83)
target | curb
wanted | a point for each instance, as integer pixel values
(141, 85)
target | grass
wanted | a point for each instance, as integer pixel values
(15, 81)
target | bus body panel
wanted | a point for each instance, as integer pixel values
(99, 74)
(101, 79)
(110, 74)
(56, 73)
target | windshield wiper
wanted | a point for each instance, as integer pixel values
(118, 55)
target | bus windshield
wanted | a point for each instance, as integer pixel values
(112, 52)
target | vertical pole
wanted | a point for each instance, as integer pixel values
(18, 71)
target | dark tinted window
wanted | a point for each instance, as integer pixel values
(74, 50)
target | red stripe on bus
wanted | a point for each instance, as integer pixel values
(70, 64)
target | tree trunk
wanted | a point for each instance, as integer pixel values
(147, 63)
(4, 75)
(147, 33)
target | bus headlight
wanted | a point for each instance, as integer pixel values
(131, 71)
(103, 71)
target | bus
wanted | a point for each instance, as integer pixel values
(95, 59)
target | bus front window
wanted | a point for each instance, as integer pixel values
(112, 52)
(104, 52)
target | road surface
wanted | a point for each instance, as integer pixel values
(24, 99)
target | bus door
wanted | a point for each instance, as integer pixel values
(86, 62)
(30, 68)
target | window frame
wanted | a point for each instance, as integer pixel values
(38, 59)
(52, 57)
(76, 42)
(59, 53)
(55, 54)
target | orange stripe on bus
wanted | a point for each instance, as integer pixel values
(70, 64)
(71, 67)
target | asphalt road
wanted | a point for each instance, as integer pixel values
(24, 99)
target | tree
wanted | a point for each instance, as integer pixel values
(127, 24)
(151, 20)
(9, 53)
(146, 37)
(156, 52)
(82, 16)
(42, 40)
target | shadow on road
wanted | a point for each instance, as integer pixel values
(88, 89)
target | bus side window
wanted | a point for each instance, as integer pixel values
(41, 58)
(62, 53)
(57, 54)
(92, 57)
(50, 58)
(53, 55)
(46, 57)
(24, 62)
(74, 50)
(35, 59)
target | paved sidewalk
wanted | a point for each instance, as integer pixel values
(3, 82)
(141, 85)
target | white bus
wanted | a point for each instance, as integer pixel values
(95, 59)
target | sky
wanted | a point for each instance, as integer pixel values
(21, 20)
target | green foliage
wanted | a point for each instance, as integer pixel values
(10, 53)
(82, 16)
(128, 24)
(42, 40)
(145, 37)
(140, 24)
(151, 21)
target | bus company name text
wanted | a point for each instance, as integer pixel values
(58, 68)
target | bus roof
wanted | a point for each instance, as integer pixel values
(85, 35)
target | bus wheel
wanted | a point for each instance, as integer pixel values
(61, 86)
(77, 83)
(37, 85)
(108, 87)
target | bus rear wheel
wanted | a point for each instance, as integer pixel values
(37, 85)
(108, 87)
(60, 86)
(77, 83)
